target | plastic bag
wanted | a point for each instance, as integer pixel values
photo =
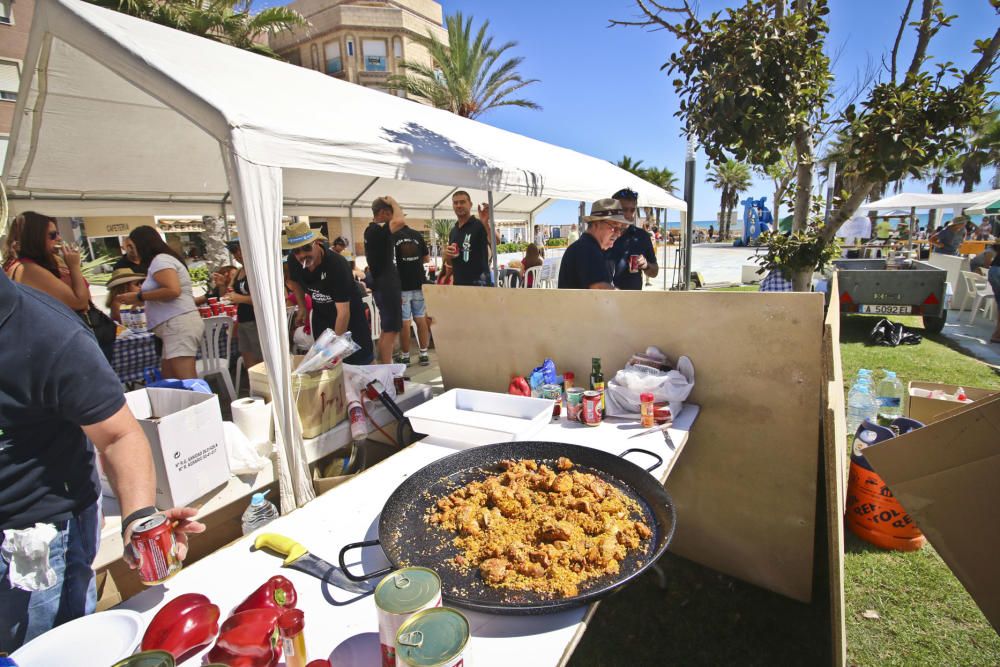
(327, 352)
(244, 457)
(891, 334)
(673, 387)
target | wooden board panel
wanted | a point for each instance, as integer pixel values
(835, 467)
(746, 485)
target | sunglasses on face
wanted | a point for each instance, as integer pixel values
(53, 236)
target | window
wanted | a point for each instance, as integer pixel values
(314, 56)
(5, 15)
(10, 79)
(374, 52)
(4, 140)
(331, 51)
(350, 46)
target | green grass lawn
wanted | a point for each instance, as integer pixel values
(925, 616)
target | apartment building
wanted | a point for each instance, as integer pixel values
(361, 41)
(15, 23)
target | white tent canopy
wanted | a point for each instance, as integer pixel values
(122, 115)
(925, 201)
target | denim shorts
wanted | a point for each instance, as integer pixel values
(413, 304)
(25, 614)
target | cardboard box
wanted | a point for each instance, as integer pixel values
(928, 410)
(945, 475)
(319, 397)
(322, 483)
(184, 429)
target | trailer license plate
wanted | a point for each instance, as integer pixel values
(886, 310)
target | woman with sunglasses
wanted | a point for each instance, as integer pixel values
(170, 310)
(44, 263)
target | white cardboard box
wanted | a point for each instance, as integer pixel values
(185, 433)
(481, 417)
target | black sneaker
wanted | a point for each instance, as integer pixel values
(424, 359)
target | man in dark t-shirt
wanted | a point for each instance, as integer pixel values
(57, 396)
(583, 264)
(337, 299)
(468, 242)
(130, 260)
(411, 255)
(387, 219)
(634, 241)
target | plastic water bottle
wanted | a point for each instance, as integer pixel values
(890, 398)
(861, 405)
(260, 512)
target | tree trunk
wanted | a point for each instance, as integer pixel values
(216, 254)
(803, 179)
(802, 280)
(846, 210)
(932, 216)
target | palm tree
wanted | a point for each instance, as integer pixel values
(468, 77)
(631, 166)
(662, 177)
(981, 150)
(732, 178)
(228, 21)
(440, 230)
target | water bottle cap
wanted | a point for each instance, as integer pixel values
(889, 375)
(258, 498)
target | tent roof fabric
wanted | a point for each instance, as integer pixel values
(924, 201)
(114, 109)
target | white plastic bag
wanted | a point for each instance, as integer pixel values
(673, 387)
(245, 458)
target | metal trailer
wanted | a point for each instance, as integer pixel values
(880, 287)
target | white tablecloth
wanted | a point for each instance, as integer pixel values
(346, 631)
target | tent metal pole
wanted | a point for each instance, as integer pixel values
(362, 193)
(493, 237)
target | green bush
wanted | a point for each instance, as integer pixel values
(512, 247)
(200, 275)
(556, 243)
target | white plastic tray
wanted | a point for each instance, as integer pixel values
(481, 417)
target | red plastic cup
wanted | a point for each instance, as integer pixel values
(205, 311)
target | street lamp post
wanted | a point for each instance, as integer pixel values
(689, 167)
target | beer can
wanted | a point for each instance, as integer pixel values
(153, 542)
(633, 263)
(574, 403)
(398, 597)
(591, 413)
(433, 638)
(399, 383)
(553, 392)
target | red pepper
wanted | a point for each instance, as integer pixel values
(275, 593)
(519, 386)
(185, 623)
(248, 639)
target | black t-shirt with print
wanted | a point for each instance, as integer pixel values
(634, 241)
(410, 252)
(330, 283)
(54, 380)
(583, 264)
(473, 254)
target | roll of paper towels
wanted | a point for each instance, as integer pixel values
(253, 417)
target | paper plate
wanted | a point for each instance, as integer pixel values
(100, 639)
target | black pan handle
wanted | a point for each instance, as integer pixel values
(659, 460)
(359, 545)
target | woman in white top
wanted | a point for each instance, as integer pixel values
(170, 310)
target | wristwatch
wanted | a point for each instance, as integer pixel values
(139, 296)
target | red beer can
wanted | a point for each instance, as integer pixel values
(400, 384)
(590, 414)
(154, 545)
(633, 263)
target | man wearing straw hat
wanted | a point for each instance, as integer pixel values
(634, 242)
(947, 240)
(583, 264)
(336, 296)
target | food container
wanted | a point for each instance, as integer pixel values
(433, 638)
(398, 597)
(574, 403)
(481, 417)
(591, 413)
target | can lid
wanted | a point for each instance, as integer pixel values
(646, 397)
(432, 637)
(407, 590)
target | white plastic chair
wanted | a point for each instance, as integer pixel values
(985, 292)
(533, 277)
(217, 329)
(973, 283)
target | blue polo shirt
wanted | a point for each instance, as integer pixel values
(583, 264)
(54, 379)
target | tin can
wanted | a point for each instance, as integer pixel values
(433, 638)
(591, 413)
(398, 597)
(153, 542)
(633, 263)
(553, 392)
(399, 383)
(574, 403)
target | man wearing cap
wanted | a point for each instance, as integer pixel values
(583, 264)
(634, 242)
(387, 219)
(947, 240)
(336, 297)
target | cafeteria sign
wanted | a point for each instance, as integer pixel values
(114, 226)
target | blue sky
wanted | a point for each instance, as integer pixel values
(602, 91)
